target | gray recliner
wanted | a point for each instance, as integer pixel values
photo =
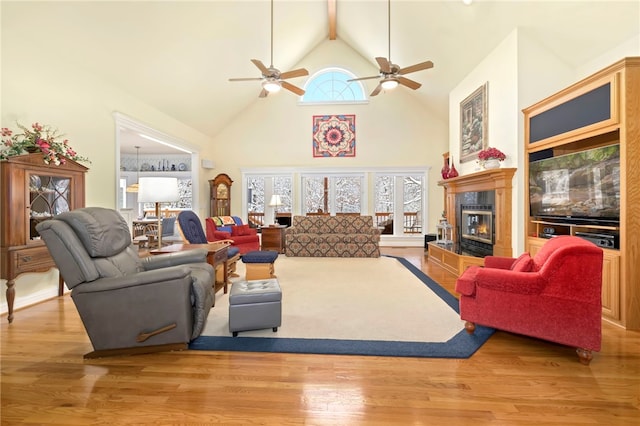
(128, 304)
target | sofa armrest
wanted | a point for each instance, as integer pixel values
(174, 259)
(220, 235)
(502, 280)
(466, 283)
(510, 281)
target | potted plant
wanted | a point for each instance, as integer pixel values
(39, 138)
(490, 158)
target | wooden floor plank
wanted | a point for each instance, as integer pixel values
(511, 380)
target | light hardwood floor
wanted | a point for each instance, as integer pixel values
(511, 380)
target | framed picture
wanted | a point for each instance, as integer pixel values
(473, 124)
(334, 135)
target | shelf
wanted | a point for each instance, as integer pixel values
(166, 173)
(576, 225)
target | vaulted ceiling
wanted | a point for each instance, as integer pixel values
(177, 56)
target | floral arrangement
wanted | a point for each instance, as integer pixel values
(489, 153)
(39, 138)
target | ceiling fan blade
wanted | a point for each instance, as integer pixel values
(292, 88)
(295, 73)
(245, 79)
(385, 67)
(260, 65)
(363, 78)
(417, 67)
(409, 83)
(377, 90)
(263, 93)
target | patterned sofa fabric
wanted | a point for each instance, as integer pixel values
(332, 236)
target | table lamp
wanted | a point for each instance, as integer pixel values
(275, 202)
(158, 190)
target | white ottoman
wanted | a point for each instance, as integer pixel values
(254, 305)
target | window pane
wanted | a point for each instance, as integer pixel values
(412, 204)
(314, 195)
(331, 85)
(282, 187)
(348, 194)
(255, 195)
(384, 203)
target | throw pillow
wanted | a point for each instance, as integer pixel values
(240, 230)
(228, 229)
(227, 220)
(524, 263)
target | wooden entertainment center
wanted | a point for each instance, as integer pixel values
(598, 111)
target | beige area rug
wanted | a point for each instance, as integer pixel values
(337, 306)
(349, 298)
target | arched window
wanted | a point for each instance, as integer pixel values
(330, 85)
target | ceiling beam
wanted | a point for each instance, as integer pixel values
(332, 19)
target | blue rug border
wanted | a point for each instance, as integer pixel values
(462, 345)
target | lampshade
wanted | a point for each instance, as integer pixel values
(271, 85)
(389, 83)
(158, 190)
(275, 201)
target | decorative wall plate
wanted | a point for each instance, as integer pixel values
(182, 167)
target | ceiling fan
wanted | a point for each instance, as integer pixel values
(391, 74)
(272, 79)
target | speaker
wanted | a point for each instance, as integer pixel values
(207, 164)
(428, 238)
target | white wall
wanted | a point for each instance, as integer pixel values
(630, 47)
(500, 70)
(80, 106)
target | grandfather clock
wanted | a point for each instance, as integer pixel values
(220, 195)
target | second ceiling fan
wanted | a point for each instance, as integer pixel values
(272, 79)
(391, 74)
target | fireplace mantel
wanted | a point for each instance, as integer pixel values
(498, 180)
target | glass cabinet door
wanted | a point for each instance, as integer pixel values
(48, 196)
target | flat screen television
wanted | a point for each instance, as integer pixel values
(578, 187)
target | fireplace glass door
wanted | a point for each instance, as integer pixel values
(477, 225)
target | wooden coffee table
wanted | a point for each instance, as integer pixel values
(216, 255)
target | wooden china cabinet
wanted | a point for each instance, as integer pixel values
(220, 195)
(32, 191)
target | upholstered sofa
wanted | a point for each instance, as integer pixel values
(232, 228)
(332, 236)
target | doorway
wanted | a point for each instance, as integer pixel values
(144, 151)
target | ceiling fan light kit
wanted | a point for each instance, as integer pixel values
(271, 86)
(389, 83)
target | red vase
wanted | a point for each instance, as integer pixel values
(452, 171)
(445, 169)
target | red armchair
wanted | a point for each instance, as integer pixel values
(232, 228)
(553, 296)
